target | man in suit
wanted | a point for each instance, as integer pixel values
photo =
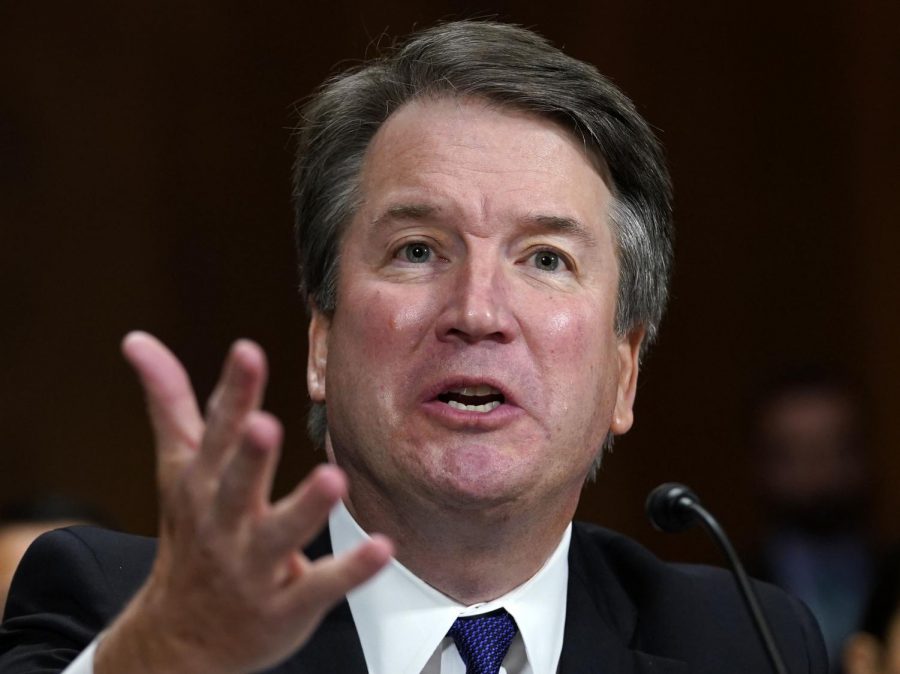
(485, 240)
(22, 521)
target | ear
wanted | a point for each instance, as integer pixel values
(317, 359)
(862, 654)
(629, 351)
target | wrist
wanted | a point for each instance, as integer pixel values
(145, 639)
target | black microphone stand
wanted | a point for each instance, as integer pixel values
(673, 507)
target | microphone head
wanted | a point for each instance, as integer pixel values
(669, 507)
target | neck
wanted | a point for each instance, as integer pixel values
(471, 554)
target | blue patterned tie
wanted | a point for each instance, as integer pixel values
(483, 640)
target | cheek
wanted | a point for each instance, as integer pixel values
(385, 320)
(575, 341)
(409, 315)
(558, 324)
(564, 325)
(581, 359)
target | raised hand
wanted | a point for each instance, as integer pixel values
(230, 590)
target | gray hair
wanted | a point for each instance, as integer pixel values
(508, 66)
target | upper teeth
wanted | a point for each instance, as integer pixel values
(487, 407)
(480, 390)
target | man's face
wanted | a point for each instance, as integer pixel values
(813, 468)
(472, 358)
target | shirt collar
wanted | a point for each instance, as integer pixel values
(401, 619)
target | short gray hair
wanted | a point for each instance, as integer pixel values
(509, 66)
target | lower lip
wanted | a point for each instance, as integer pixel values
(466, 420)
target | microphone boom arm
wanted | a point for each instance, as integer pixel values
(672, 507)
(740, 575)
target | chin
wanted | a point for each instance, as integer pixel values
(481, 477)
(474, 496)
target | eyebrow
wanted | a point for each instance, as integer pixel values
(539, 222)
(411, 211)
(562, 225)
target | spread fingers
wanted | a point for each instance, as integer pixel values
(247, 480)
(238, 392)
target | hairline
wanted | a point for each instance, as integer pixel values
(615, 209)
(610, 129)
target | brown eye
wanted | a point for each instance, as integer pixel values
(417, 252)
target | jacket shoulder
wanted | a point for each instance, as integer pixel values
(693, 612)
(71, 583)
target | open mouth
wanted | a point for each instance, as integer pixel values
(481, 398)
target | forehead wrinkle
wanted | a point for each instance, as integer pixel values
(536, 223)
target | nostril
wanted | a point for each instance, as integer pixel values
(473, 336)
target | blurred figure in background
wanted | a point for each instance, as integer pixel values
(809, 436)
(875, 648)
(23, 521)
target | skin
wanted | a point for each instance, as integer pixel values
(512, 283)
(814, 451)
(517, 290)
(230, 591)
(865, 654)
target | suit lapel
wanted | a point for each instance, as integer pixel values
(601, 621)
(599, 633)
(334, 647)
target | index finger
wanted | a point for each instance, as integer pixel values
(172, 406)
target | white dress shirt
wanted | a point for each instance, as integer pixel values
(403, 622)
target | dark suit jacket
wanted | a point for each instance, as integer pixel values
(627, 613)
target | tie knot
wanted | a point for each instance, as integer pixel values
(483, 640)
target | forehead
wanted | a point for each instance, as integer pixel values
(487, 160)
(448, 116)
(808, 411)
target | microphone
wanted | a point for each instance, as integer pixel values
(672, 508)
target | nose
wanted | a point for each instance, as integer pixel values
(478, 303)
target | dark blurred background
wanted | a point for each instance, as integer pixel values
(144, 183)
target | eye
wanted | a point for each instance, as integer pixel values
(547, 260)
(416, 252)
